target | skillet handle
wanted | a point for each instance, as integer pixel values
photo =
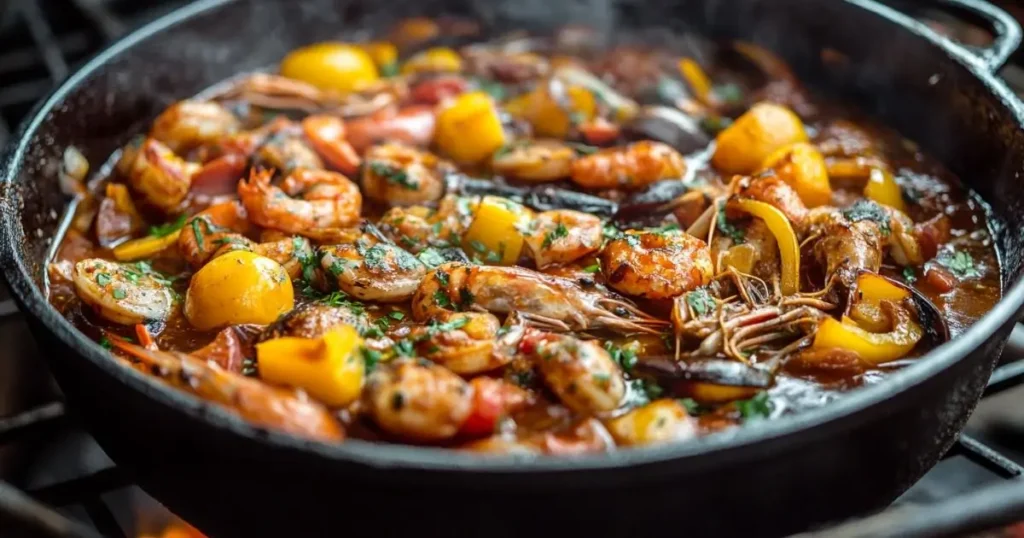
(1005, 29)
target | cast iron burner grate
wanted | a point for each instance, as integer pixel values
(42, 40)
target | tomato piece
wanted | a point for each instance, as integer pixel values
(939, 279)
(599, 131)
(413, 125)
(436, 90)
(488, 407)
(219, 176)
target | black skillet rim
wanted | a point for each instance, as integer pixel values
(852, 406)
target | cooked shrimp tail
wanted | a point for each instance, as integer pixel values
(252, 399)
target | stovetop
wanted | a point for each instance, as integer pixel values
(74, 489)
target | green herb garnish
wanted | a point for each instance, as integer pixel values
(868, 210)
(559, 232)
(960, 263)
(163, 230)
(757, 408)
(727, 228)
(393, 174)
(701, 301)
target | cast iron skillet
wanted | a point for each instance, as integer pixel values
(231, 478)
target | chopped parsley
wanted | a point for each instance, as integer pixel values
(504, 150)
(691, 405)
(495, 89)
(102, 279)
(559, 232)
(583, 149)
(431, 258)
(729, 93)
(908, 275)
(868, 210)
(960, 263)
(595, 268)
(307, 259)
(757, 408)
(119, 293)
(610, 232)
(375, 256)
(727, 228)
(396, 315)
(643, 391)
(370, 358)
(441, 299)
(625, 356)
(441, 277)
(477, 246)
(336, 299)
(404, 348)
(701, 301)
(106, 343)
(393, 174)
(163, 230)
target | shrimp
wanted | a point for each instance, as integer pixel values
(210, 230)
(312, 320)
(373, 270)
(579, 437)
(540, 161)
(581, 372)
(656, 264)
(632, 167)
(400, 175)
(120, 293)
(416, 228)
(327, 136)
(846, 246)
(418, 400)
(469, 343)
(159, 176)
(412, 125)
(284, 409)
(563, 236)
(775, 192)
(325, 202)
(188, 124)
(856, 238)
(287, 152)
(543, 300)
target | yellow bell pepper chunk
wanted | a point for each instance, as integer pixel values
(658, 421)
(547, 116)
(874, 289)
(711, 393)
(762, 130)
(494, 237)
(238, 287)
(802, 167)
(699, 81)
(385, 56)
(469, 129)
(434, 60)
(329, 368)
(874, 348)
(789, 246)
(882, 188)
(145, 247)
(871, 290)
(741, 257)
(331, 66)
